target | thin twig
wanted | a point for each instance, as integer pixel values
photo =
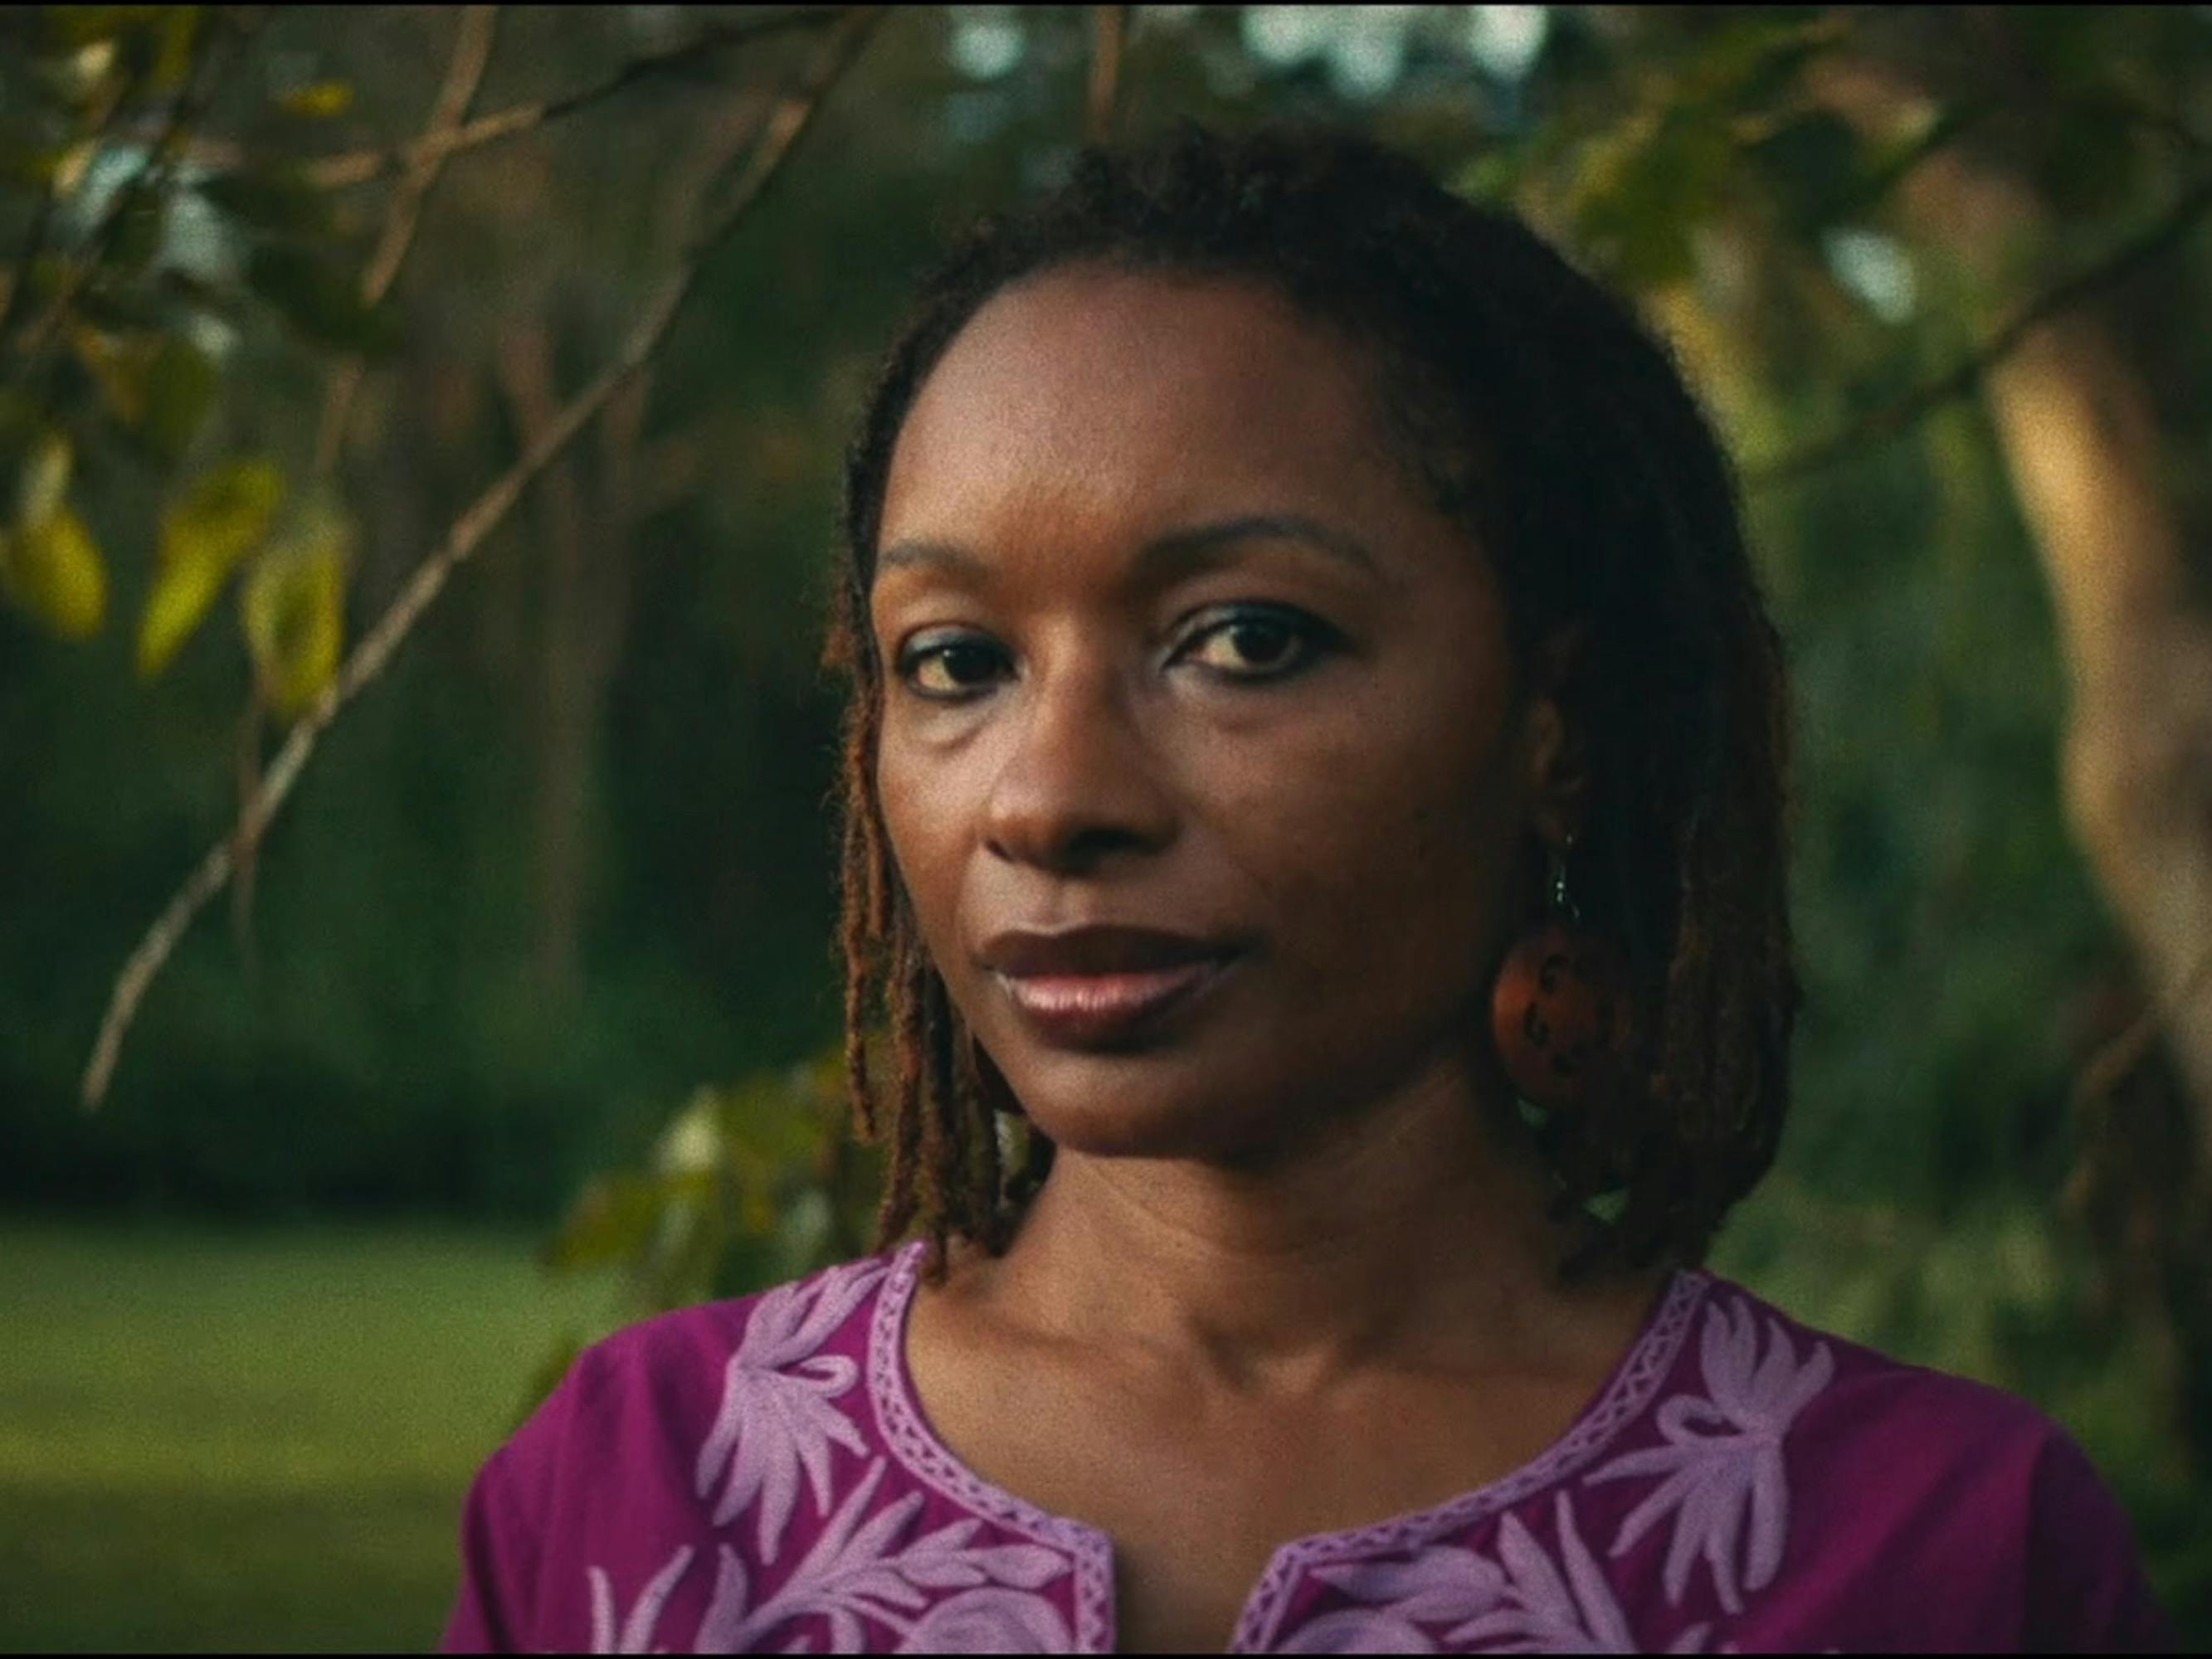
(370, 655)
(1109, 33)
(472, 41)
(1892, 418)
(358, 166)
(2120, 1056)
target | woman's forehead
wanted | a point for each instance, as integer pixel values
(1136, 391)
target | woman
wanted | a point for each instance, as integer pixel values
(1314, 781)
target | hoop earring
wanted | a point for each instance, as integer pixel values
(1561, 1014)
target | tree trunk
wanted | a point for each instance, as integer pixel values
(2080, 443)
(2082, 448)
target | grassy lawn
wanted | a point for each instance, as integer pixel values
(253, 1440)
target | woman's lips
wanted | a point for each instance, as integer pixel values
(1096, 1010)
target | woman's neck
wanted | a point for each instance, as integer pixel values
(1413, 1235)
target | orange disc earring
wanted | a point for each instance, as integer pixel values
(1561, 1012)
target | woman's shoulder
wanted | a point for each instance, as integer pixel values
(718, 1417)
(1948, 1490)
(687, 1378)
(1839, 1394)
(823, 1313)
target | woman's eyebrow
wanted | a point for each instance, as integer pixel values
(1203, 545)
(1174, 553)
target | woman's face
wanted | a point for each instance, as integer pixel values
(1201, 759)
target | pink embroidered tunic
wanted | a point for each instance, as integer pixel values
(756, 1476)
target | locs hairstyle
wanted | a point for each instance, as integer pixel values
(1542, 417)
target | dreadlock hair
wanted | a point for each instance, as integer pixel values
(1541, 416)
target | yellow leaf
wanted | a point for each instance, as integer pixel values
(180, 596)
(318, 99)
(222, 515)
(220, 518)
(293, 607)
(52, 569)
(41, 486)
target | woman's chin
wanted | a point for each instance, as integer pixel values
(1103, 1122)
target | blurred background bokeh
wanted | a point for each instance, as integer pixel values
(511, 1024)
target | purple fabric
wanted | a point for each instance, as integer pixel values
(756, 1476)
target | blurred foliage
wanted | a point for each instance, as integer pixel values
(137, 266)
(568, 857)
(748, 1186)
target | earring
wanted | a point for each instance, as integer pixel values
(1561, 1012)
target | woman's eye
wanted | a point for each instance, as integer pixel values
(949, 667)
(1254, 644)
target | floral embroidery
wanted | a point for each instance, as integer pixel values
(1723, 1457)
(864, 1576)
(1441, 1585)
(1524, 1606)
(637, 1631)
(777, 1418)
(1358, 1630)
(858, 1571)
(988, 1621)
(1543, 1612)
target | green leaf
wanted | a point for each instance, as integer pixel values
(1643, 188)
(293, 605)
(205, 533)
(1813, 166)
(613, 1221)
(53, 571)
(321, 298)
(31, 162)
(317, 100)
(174, 33)
(2090, 157)
(180, 386)
(70, 28)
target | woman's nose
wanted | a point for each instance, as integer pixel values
(1080, 781)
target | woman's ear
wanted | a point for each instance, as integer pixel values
(1559, 778)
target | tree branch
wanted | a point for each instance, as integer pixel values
(374, 651)
(2112, 1062)
(472, 40)
(1109, 36)
(1892, 418)
(358, 166)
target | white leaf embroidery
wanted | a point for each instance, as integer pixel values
(1543, 1611)
(638, 1630)
(1723, 1459)
(778, 1419)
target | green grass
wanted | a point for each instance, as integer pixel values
(254, 1441)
